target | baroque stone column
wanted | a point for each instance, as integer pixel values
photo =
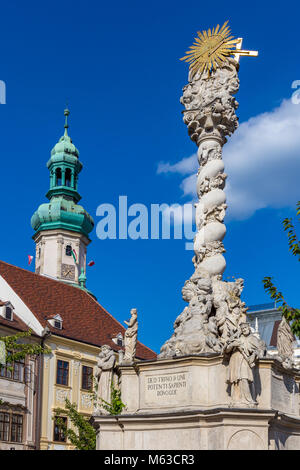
(215, 309)
(210, 117)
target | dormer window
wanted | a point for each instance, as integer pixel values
(118, 340)
(56, 321)
(8, 313)
(58, 324)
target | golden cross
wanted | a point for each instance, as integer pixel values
(242, 52)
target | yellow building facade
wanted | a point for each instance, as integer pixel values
(77, 358)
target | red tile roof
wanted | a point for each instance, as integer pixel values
(84, 319)
(16, 323)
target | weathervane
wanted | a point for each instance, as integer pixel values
(212, 48)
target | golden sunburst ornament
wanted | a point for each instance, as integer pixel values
(211, 49)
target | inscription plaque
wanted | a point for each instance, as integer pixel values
(166, 387)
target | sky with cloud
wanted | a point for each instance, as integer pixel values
(262, 161)
(117, 65)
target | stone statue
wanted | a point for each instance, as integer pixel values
(195, 331)
(285, 340)
(130, 337)
(104, 373)
(244, 349)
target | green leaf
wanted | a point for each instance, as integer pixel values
(291, 314)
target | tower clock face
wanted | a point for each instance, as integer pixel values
(68, 272)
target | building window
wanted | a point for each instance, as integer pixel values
(56, 321)
(8, 313)
(58, 324)
(58, 177)
(13, 371)
(68, 250)
(62, 373)
(68, 177)
(4, 426)
(16, 428)
(11, 427)
(87, 378)
(58, 434)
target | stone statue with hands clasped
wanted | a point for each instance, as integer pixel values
(130, 338)
(244, 349)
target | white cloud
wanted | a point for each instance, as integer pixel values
(184, 166)
(262, 160)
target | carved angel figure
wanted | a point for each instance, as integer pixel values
(215, 213)
(209, 152)
(210, 105)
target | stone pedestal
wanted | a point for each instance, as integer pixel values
(184, 403)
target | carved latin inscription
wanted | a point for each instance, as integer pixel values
(168, 385)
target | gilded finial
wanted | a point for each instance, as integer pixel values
(212, 48)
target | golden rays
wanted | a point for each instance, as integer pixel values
(211, 49)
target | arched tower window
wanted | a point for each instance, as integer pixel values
(58, 176)
(68, 250)
(68, 177)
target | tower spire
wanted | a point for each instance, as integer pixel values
(66, 113)
(62, 226)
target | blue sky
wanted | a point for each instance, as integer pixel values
(117, 64)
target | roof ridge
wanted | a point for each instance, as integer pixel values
(118, 321)
(39, 275)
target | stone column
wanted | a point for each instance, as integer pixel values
(210, 117)
(63, 176)
(72, 180)
(214, 308)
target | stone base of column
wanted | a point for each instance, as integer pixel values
(184, 403)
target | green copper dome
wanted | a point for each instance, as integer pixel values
(64, 145)
(63, 211)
